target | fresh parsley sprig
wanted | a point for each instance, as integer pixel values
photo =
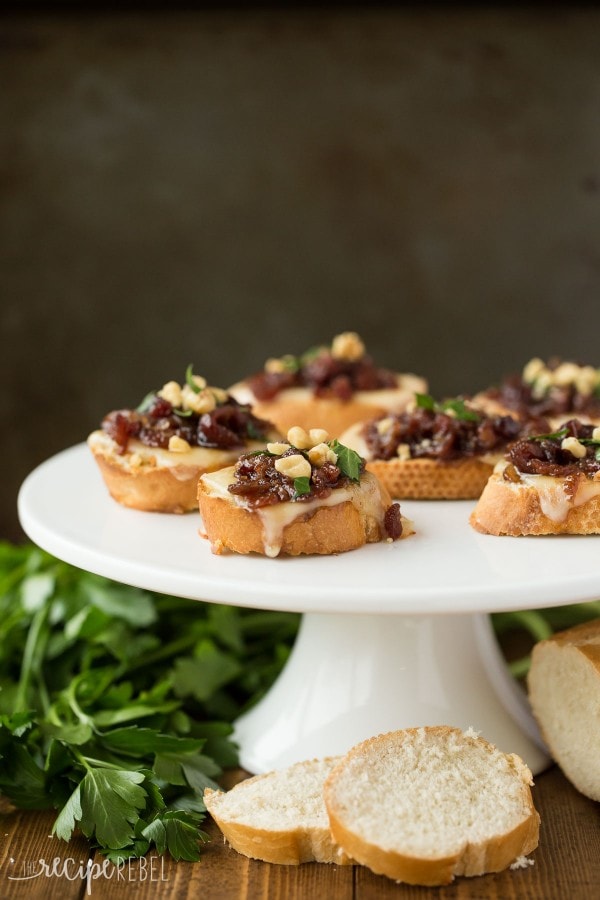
(116, 703)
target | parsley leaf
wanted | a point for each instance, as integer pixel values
(553, 436)
(460, 410)
(146, 403)
(348, 461)
(302, 485)
(455, 406)
(189, 379)
(177, 832)
(110, 800)
(425, 401)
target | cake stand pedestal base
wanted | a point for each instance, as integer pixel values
(352, 676)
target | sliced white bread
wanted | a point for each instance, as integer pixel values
(279, 817)
(423, 805)
(564, 691)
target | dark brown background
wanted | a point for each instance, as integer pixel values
(219, 186)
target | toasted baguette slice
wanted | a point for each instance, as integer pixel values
(425, 479)
(423, 805)
(538, 504)
(299, 406)
(429, 479)
(279, 817)
(564, 691)
(156, 480)
(348, 518)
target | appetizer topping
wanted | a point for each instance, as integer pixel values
(310, 469)
(294, 465)
(178, 417)
(178, 445)
(551, 389)
(584, 379)
(443, 431)
(305, 467)
(335, 371)
(573, 451)
(573, 446)
(348, 346)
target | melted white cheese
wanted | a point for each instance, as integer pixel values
(181, 464)
(365, 497)
(386, 398)
(555, 502)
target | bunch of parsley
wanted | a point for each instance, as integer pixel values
(116, 703)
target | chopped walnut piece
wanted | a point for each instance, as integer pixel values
(347, 345)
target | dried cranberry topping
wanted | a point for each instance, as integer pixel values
(516, 394)
(229, 425)
(326, 376)
(545, 455)
(437, 435)
(392, 521)
(260, 483)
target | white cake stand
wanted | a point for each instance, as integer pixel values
(393, 635)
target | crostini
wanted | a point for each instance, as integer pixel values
(329, 387)
(547, 484)
(436, 450)
(151, 457)
(305, 495)
(559, 390)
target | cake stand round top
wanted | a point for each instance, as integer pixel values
(445, 567)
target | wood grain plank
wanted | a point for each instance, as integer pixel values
(566, 864)
(28, 850)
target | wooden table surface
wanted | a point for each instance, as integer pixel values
(34, 865)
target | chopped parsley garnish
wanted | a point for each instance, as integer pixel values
(146, 403)
(454, 406)
(302, 485)
(189, 378)
(348, 461)
(563, 433)
(553, 436)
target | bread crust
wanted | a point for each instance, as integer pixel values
(324, 530)
(284, 846)
(509, 508)
(492, 855)
(432, 479)
(299, 406)
(572, 658)
(148, 487)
